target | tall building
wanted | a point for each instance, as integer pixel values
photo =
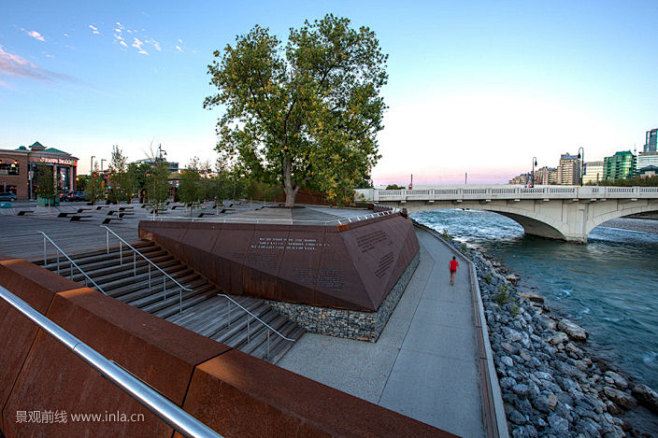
(593, 172)
(621, 165)
(652, 141)
(568, 172)
(645, 159)
(18, 169)
(545, 176)
(524, 179)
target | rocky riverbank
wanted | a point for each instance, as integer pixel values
(552, 386)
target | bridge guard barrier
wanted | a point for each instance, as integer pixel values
(231, 392)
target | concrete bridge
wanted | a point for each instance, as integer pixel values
(557, 212)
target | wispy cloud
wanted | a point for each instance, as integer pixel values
(14, 65)
(138, 45)
(179, 49)
(36, 35)
(155, 44)
(94, 29)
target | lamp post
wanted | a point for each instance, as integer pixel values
(532, 174)
(581, 157)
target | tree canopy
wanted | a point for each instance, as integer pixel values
(303, 115)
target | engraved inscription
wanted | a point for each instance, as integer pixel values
(281, 243)
(384, 264)
(367, 242)
(304, 275)
(330, 279)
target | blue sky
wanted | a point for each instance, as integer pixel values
(477, 87)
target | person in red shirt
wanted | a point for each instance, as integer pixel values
(453, 270)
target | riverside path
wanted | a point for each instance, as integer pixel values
(426, 362)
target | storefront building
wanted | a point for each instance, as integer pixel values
(18, 169)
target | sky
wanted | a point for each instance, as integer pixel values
(477, 87)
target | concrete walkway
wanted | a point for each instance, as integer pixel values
(424, 363)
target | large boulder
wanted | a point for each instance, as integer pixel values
(647, 396)
(575, 332)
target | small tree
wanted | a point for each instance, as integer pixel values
(157, 185)
(120, 182)
(95, 187)
(190, 190)
(45, 185)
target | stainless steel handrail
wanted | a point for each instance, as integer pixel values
(87, 277)
(136, 251)
(155, 402)
(231, 300)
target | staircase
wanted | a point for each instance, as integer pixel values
(133, 281)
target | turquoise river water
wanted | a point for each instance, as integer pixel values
(609, 286)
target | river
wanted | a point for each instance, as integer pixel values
(609, 286)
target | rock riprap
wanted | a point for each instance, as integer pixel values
(551, 385)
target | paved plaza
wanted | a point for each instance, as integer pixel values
(424, 363)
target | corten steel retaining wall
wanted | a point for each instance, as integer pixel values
(233, 393)
(349, 266)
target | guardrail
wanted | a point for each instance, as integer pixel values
(136, 252)
(72, 263)
(155, 402)
(249, 220)
(267, 326)
(503, 192)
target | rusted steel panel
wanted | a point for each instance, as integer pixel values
(37, 287)
(51, 378)
(351, 267)
(238, 395)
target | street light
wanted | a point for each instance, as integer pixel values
(581, 157)
(532, 175)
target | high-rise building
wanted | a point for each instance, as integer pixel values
(652, 141)
(545, 176)
(645, 159)
(621, 165)
(593, 172)
(568, 172)
(524, 179)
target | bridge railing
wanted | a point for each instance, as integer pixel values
(512, 192)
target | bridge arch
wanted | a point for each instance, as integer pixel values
(598, 220)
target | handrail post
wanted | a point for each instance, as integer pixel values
(57, 262)
(44, 251)
(134, 264)
(107, 241)
(180, 301)
(164, 286)
(149, 276)
(120, 253)
(268, 345)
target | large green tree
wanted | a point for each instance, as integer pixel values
(303, 115)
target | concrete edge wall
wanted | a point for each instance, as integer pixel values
(494, 412)
(233, 393)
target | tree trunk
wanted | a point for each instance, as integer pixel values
(289, 188)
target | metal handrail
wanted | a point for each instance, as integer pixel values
(231, 300)
(155, 402)
(136, 251)
(87, 277)
(261, 321)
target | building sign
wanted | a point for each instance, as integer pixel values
(58, 161)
